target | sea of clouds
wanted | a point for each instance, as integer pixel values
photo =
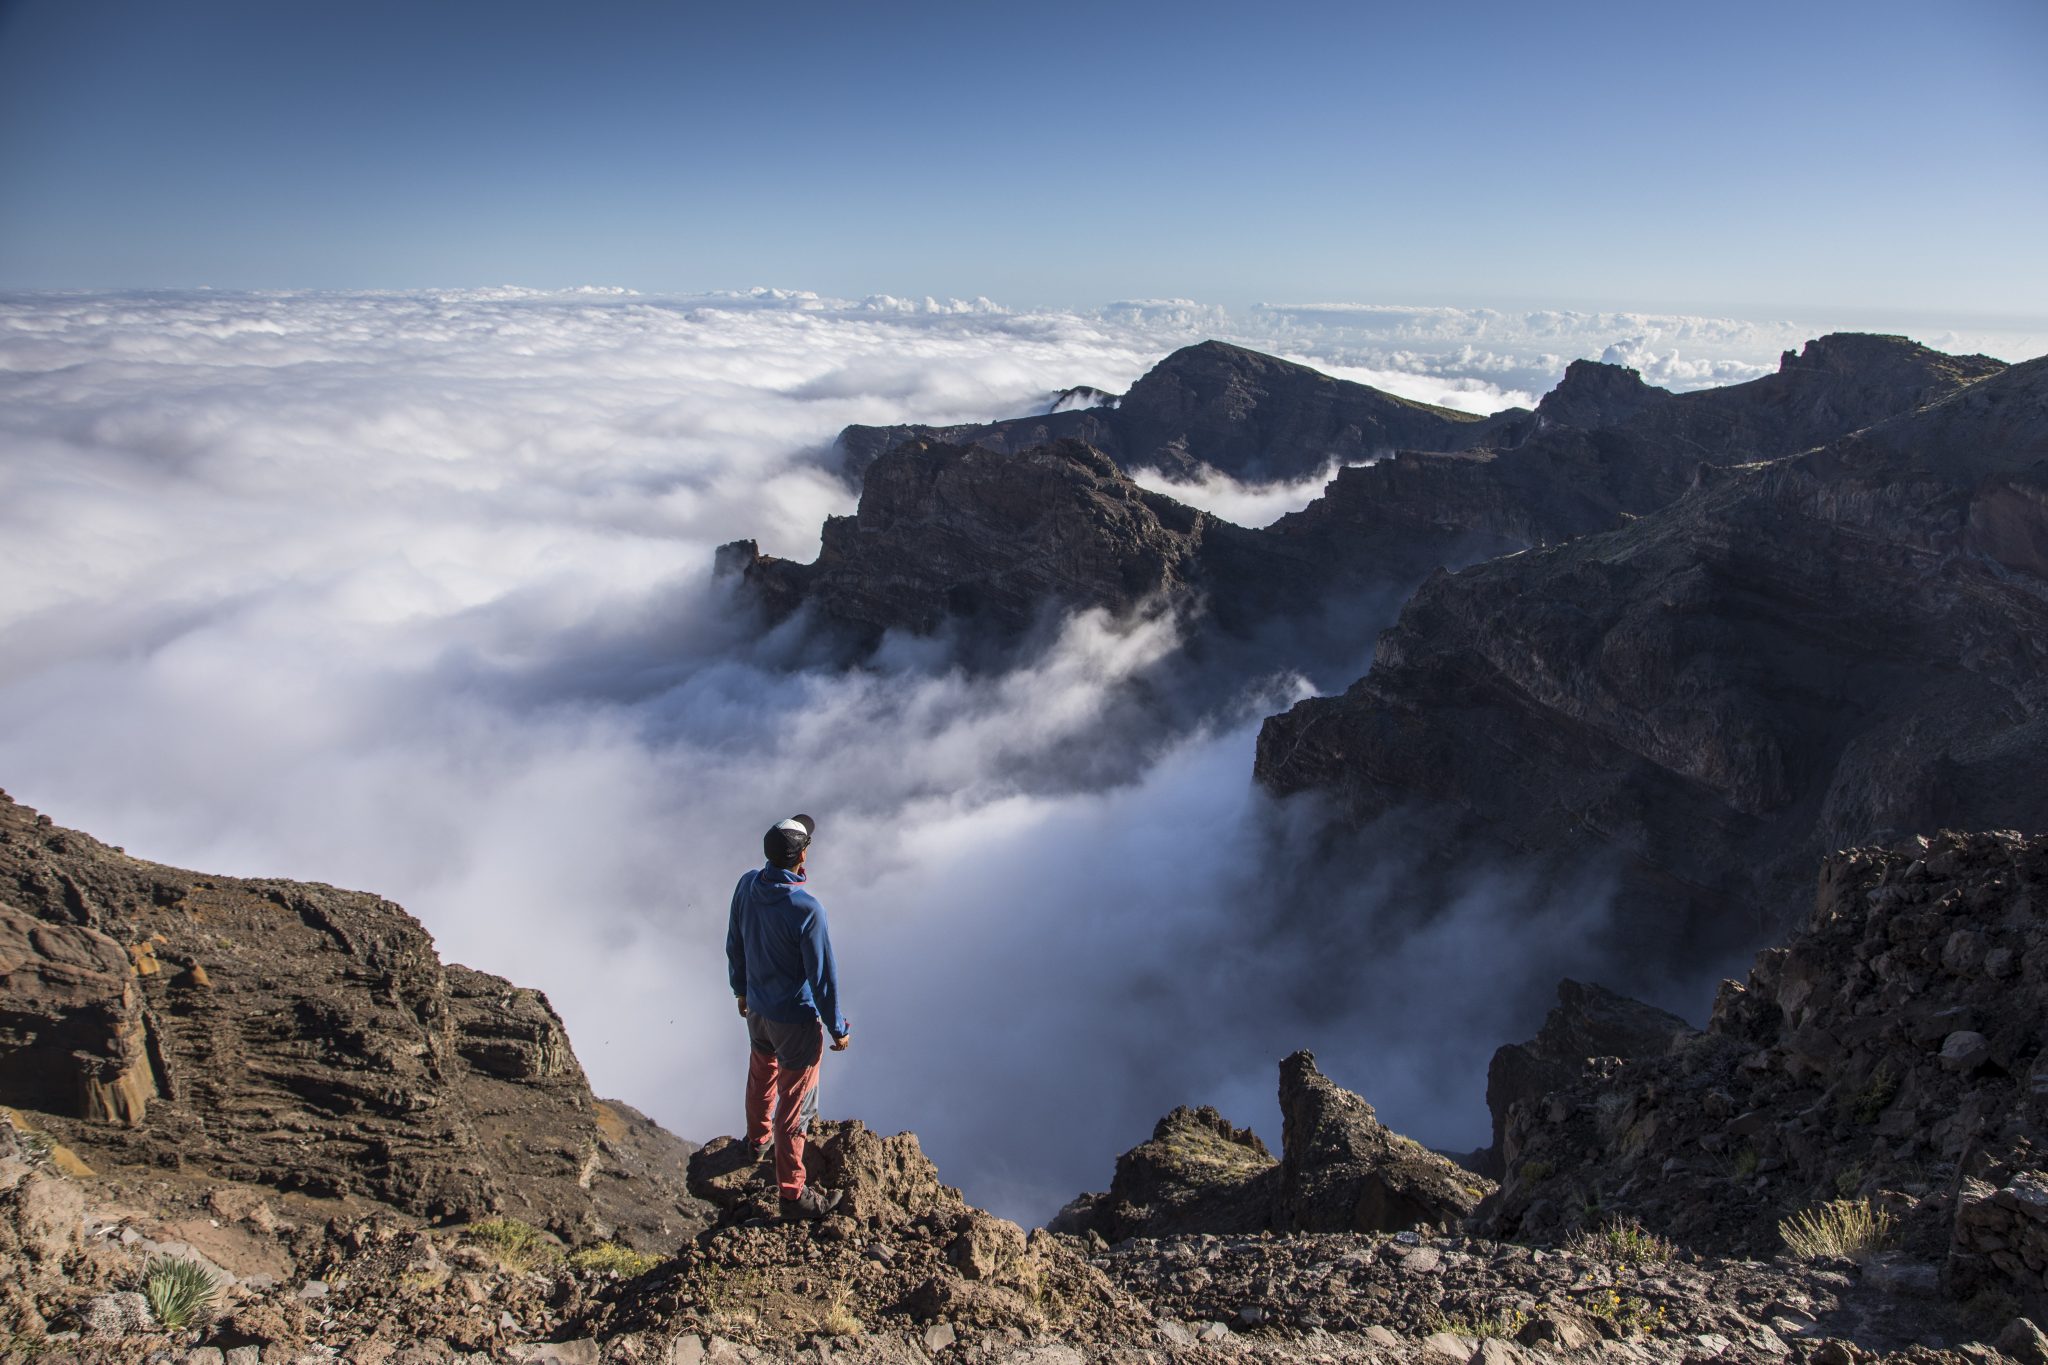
(412, 593)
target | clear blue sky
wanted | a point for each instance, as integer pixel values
(1772, 157)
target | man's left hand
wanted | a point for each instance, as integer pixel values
(742, 1003)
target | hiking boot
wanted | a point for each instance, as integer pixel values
(811, 1205)
(764, 1153)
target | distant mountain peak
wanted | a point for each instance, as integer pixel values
(1595, 394)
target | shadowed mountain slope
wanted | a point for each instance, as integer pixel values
(1825, 650)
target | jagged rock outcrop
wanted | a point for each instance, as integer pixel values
(902, 1251)
(1895, 1049)
(306, 1038)
(966, 535)
(1588, 1021)
(1214, 406)
(1594, 394)
(1340, 1170)
(1196, 1174)
(71, 1026)
(1834, 648)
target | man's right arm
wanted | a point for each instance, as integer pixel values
(822, 970)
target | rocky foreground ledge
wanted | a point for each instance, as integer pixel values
(366, 1156)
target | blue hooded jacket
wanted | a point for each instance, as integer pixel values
(779, 951)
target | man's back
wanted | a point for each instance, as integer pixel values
(779, 948)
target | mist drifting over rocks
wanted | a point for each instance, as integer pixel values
(413, 592)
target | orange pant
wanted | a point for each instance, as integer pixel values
(782, 1080)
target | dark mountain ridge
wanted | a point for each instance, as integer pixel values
(1798, 655)
(1214, 406)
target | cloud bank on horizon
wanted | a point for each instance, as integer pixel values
(411, 593)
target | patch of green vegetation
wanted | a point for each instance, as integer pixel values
(1865, 1105)
(1535, 1172)
(1629, 1315)
(1623, 1241)
(1503, 1324)
(181, 1293)
(609, 1258)
(1743, 1167)
(1840, 1227)
(1213, 1149)
(513, 1244)
(1849, 1179)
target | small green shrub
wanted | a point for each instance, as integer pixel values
(1535, 1172)
(1743, 1167)
(1849, 1179)
(1840, 1227)
(1866, 1104)
(515, 1245)
(1629, 1315)
(1623, 1241)
(611, 1258)
(180, 1292)
(1503, 1324)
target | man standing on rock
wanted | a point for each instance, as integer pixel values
(787, 984)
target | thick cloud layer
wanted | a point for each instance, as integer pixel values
(411, 593)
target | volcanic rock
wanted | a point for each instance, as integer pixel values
(903, 1251)
(1341, 1170)
(301, 1037)
(1824, 1077)
(1197, 1174)
(1799, 655)
(1588, 1021)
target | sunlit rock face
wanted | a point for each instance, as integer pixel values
(293, 1035)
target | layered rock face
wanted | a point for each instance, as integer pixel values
(1895, 1049)
(1835, 648)
(305, 1038)
(1340, 1170)
(1254, 417)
